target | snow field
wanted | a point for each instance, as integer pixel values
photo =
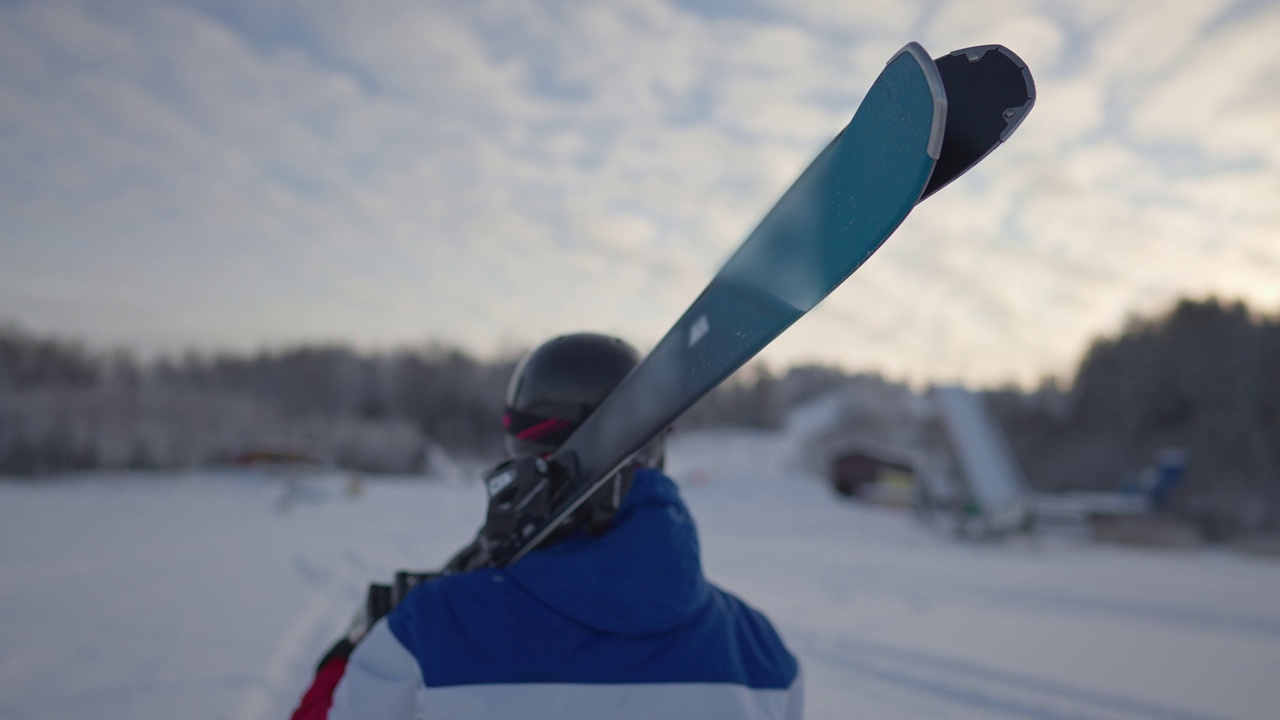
(893, 618)
(211, 595)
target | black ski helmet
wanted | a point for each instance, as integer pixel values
(556, 386)
(553, 389)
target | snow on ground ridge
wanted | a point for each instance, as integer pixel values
(211, 595)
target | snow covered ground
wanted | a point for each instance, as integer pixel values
(211, 595)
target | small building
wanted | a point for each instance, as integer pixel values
(875, 476)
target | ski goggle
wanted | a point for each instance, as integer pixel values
(537, 428)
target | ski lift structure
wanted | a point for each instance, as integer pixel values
(995, 496)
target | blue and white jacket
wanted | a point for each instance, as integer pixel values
(618, 626)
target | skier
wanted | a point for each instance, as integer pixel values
(611, 617)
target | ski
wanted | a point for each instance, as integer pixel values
(839, 211)
(922, 124)
(989, 93)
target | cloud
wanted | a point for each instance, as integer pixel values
(244, 173)
(1224, 98)
(1110, 201)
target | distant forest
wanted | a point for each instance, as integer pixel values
(1203, 377)
(65, 407)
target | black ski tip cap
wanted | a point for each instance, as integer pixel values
(989, 92)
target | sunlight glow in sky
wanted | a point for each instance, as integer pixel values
(245, 174)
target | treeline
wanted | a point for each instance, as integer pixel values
(1204, 377)
(65, 407)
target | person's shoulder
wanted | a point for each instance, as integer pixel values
(763, 651)
(653, 474)
(447, 593)
(739, 610)
(649, 482)
(483, 581)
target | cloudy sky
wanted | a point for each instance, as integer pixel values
(246, 174)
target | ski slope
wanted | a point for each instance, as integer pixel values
(212, 594)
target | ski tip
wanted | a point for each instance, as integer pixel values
(1014, 115)
(912, 48)
(1018, 114)
(993, 92)
(975, 53)
(936, 89)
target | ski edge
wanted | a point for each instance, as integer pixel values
(1022, 112)
(939, 92)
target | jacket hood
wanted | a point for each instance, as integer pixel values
(642, 576)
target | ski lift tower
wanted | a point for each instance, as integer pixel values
(993, 482)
